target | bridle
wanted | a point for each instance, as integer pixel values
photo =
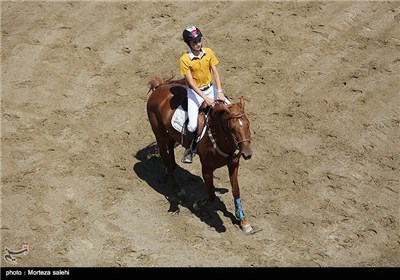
(235, 141)
(237, 116)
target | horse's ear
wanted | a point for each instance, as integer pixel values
(242, 102)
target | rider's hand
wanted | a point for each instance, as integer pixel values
(210, 102)
(221, 96)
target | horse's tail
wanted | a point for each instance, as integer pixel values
(157, 81)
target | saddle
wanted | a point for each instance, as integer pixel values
(180, 119)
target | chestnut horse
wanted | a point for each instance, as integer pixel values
(227, 138)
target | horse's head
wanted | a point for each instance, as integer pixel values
(236, 125)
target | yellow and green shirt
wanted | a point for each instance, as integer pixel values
(198, 66)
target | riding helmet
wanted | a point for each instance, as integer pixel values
(190, 33)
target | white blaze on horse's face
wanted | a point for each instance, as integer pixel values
(240, 122)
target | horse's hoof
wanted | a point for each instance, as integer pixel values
(245, 226)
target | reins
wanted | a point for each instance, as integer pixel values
(214, 143)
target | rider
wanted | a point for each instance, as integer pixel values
(199, 67)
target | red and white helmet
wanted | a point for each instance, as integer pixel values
(190, 33)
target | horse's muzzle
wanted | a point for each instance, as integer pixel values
(247, 156)
(246, 152)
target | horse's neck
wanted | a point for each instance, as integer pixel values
(220, 135)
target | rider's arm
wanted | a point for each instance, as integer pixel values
(217, 80)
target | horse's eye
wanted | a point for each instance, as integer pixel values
(233, 130)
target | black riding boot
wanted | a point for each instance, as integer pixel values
(188, 154)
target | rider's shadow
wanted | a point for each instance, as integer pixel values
(151, 169)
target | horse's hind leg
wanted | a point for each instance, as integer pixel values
(171, 153)
(164, 145)
(171, 146)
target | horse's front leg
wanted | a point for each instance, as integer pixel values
(233, 176)
(208, 176)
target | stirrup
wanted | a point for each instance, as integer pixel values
(187, 156)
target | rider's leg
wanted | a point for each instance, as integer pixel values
(193, 109)
(188, 154)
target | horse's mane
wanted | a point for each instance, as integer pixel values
(232, 109)
(157, 81)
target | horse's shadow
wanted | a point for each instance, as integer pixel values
(151, 169)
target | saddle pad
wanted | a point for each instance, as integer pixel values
(179, 119)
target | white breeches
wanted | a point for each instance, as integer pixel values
(194, 103)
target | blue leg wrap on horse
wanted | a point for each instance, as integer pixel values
(238, 206)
